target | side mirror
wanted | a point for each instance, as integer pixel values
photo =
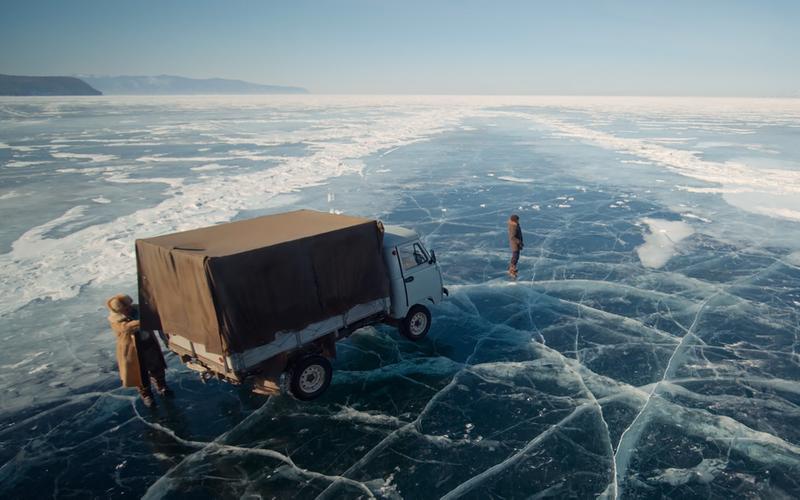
(433, 257)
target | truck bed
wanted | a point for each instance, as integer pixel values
(238, 365)
(227, 290)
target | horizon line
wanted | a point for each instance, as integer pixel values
(384, 94)
(794, 95)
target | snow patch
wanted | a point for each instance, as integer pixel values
(703, 473)
(661, 241)
(730, 175)
(690, 215)
(509, 178)
(93, 158)
(9, 195)
(777, 212)
(209, 167)
(195, 159)
(23, 164)
(349, 414)
(35, 267)
(713, 190)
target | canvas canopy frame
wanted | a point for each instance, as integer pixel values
(234, 286)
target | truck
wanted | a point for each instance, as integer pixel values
(263, 301)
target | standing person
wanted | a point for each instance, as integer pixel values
(138, 353)
(515, 241)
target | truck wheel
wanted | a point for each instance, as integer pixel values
(310, 377)
(416, 323)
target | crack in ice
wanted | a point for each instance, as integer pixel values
(625, 448)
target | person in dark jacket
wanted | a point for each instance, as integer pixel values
(139, 356)
(516, 243)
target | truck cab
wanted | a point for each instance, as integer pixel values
(415, 280)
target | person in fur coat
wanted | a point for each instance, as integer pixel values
(139, 356)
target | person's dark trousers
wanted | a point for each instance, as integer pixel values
(151, 362)
(514, 260)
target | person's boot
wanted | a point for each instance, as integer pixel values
(147, 396)
(161, 387)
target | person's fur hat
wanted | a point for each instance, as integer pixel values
(119, 303)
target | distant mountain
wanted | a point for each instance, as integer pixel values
(168, 84)
(44, 85)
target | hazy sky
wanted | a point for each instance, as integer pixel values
(669, 47)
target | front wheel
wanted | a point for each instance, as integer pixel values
(310, 377)
(416, 323)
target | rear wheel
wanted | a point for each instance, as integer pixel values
(417, 322)
(310, 377)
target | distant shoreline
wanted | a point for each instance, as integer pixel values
(161, 85)
(179, 85)
(28, 86)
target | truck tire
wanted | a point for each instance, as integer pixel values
(309, 377)
(417, 322)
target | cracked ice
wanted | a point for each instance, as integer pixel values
(649, 347)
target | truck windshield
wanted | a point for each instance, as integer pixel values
(412, 255)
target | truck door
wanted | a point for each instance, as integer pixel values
(421, 276)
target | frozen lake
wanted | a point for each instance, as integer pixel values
(649, 347)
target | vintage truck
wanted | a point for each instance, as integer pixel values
(263, 301)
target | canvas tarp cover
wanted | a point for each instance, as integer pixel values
(233, 286)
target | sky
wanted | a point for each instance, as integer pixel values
(567, 47)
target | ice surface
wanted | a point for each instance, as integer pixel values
(649, 348)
